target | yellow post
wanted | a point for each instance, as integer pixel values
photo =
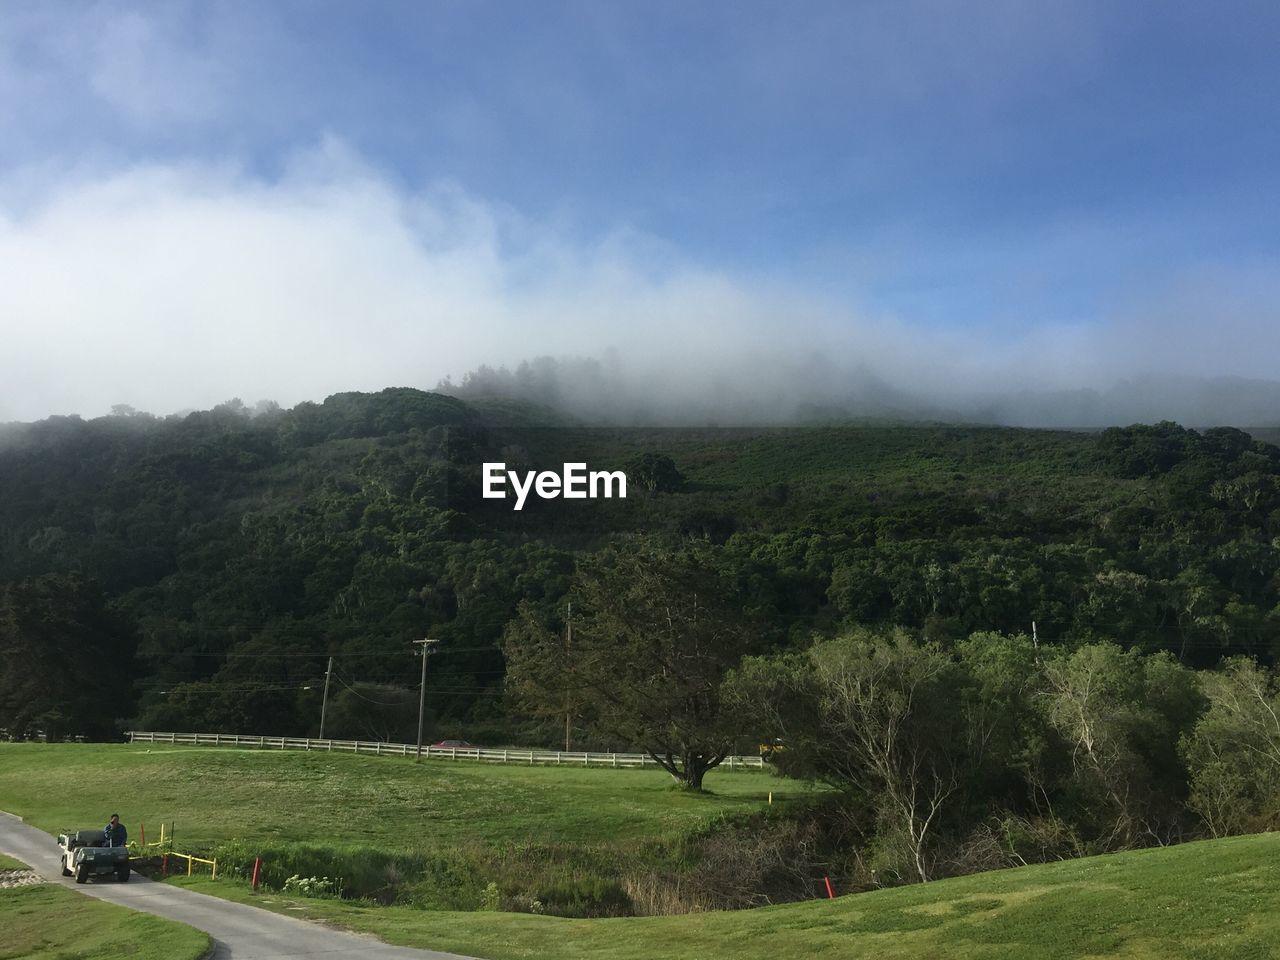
(215, 869)
(162, 835)
(189, 863)
(771, 798)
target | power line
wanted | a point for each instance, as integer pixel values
(395, 654)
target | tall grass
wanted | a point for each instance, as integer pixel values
(574, 880)
(733, 862)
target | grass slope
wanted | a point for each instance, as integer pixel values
(46, 922)
(1214, 899)
(220, 794)
(1202, 900)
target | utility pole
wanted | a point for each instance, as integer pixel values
(324, 704)
(568, 710)
(422, 693)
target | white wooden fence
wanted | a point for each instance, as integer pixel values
(378, 748)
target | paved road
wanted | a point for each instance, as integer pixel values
(240, 932)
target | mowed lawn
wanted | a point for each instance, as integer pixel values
(215, 793)
(46, 922)
(1214, 899)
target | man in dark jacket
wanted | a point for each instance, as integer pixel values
(115, 833)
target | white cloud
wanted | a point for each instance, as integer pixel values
(175, 286)
(166, 287)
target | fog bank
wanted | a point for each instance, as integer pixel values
(169, 287)
(782, 390)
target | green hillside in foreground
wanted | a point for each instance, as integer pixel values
(1213, 899)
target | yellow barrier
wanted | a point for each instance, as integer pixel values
(193, 860)
(163, 847)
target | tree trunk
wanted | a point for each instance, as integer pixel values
(690, 769)
(694, 770)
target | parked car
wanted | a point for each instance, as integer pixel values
(455, 743)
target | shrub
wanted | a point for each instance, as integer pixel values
(311, 886)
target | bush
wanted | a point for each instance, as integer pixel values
(311, 886)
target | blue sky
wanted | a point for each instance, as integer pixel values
(995, 181)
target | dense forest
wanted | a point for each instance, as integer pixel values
(998, 645)
(239, 548)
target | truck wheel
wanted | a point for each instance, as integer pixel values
(66, 871)
(122, 873)
(82, 873)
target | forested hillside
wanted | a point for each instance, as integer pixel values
(218, 558)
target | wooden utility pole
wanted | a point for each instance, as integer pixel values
(422, 692)
(324, 703)
(568, 709)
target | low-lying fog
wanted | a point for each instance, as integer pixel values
(170, 287)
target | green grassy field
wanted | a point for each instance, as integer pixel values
(1214, 899)
(218, 794)
(434, 835)
(1202, 900)
(45, 922)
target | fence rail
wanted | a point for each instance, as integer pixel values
(379, 748)
(192, 860)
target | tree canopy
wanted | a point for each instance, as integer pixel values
(651, 635)
(248, 545)
(67, 659)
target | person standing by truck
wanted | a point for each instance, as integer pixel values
(115, 833)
